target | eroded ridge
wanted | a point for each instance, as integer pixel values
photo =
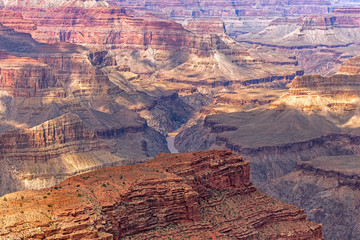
(200, 195)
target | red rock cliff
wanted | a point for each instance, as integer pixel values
(96, 26)
(203, 195)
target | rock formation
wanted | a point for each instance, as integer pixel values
(321, 42)
(12, 40)
(53, 3)
(337, 93)
(328, 189)
(193, 195)
(318, 117)
(239, 16)
(40, 82)
(164, 50)
(27, 77)
(310, 120)
(49, 153)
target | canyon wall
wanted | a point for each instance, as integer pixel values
(49, 153)
(193, 195)
(303, 146)
(183, 58)
(328, 189)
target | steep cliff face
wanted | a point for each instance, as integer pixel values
(49, 153)
(183, 59)
(82, 26)
(194, 195)
(328, 189)
(299, 136)
(238, 15)
(351, 67)
(26, 77)
(321, 42)
(337, 93)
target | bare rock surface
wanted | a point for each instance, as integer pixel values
(203, 195)
(327, 188)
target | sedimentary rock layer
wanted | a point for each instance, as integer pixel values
(49, 153)
(328, 189)
(197, 55)
(194, 195)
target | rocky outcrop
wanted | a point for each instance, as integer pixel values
(299, 136)
(351, 67)
(328, 189)
(72, 68)
(49, 153)
(26, 77)
(337, 93)
(335, 85)
(82, 26)
(193, 195)
(205, 26)
(248, 97)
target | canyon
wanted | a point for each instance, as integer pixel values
(189, 195)
(316, 119)
(86, 85)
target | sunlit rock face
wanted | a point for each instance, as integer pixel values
(186, 196)
(312, 118)
(49, 153)
(338, 93)
(41, 82)
(181, 58)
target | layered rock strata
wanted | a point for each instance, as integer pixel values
(337, 93)
(82, 26)
(49, 153)
(157, 49)
(40, 82)
(202, 195)
(272, 154)
(328, 189)
(27, 77)
(239, 16)
(321, 43)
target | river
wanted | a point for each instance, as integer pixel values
(170, 142)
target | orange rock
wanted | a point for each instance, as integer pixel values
(201, 195)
